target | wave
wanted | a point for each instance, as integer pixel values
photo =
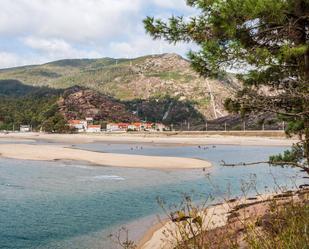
(109, 177)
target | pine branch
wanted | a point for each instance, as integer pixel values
(279, 163)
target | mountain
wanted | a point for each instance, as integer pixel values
(140, 83)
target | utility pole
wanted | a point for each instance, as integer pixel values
(225, 126)
(244, 125)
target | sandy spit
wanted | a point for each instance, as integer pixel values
(56, 152)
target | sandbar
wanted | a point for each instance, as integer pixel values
(57, 152)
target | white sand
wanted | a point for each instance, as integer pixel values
(56, 152)
(180, 139)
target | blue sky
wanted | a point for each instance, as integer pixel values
(38, 31)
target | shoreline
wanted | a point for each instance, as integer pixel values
(154, 139)
(60, 153)
(215, 216)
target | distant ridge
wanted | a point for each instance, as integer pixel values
(143, 78)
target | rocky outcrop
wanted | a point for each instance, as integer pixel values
(80, 103)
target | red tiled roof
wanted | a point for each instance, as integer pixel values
(123, 125)
(94, 126)
(73, 122)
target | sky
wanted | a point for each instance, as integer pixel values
(39, 31)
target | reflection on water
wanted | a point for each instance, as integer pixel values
(60, 205)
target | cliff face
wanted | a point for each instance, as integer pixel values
(79, 103)
(146, 78)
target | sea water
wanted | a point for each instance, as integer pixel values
(71, 205)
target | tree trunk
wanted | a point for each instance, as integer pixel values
(306, 143)
(306, 106)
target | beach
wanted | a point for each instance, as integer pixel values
(231, 214)
(52, 152)
(56, 152)
(274, 138)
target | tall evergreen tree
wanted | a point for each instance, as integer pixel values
(267, 41)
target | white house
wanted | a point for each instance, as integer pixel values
(111, 127)
(25, 128)
(79, 125)
(93, 128)
(160, 127)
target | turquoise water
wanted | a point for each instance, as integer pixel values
(70, 205)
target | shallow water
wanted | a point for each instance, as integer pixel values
(70, 205)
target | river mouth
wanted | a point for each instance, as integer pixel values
(72, 205)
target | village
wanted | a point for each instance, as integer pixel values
(88, 126)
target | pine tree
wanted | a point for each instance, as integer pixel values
(267, 43)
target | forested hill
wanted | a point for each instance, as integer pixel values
(166, 78)
(42, 106)
(50, 109)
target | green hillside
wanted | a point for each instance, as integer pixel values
(144, 78)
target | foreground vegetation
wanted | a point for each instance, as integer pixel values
(284, 227)
(277, 222)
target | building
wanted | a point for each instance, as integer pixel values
(148, 126)
(79, 125)
(133, 127)
(93, 128)
(160, 127)
(138, 126)
(123, 126)
(89, 120)
(25, 128)
(112, 127)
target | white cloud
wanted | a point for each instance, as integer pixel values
(8, 59)
(75, 20)
(46, 30)
(58, 48)
(172, 4)
(45, 45)
(144, 45)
